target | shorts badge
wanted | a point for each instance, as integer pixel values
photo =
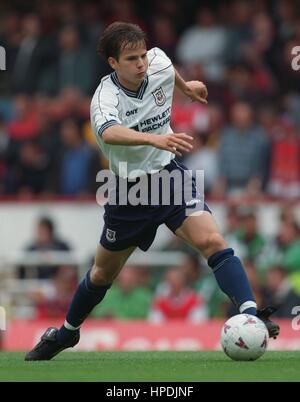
(110, 235)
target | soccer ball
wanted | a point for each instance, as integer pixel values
(244, 337)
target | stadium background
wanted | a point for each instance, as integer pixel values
(246, 140)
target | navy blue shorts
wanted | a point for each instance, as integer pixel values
(128, 225)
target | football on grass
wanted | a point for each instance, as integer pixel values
(244, 337)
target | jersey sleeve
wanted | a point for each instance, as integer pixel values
(158, 60)
(104, 112)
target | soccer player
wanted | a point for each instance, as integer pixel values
(130, 115)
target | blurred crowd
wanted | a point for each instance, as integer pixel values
(187, 291)
(246, 139)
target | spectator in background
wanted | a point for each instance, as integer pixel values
(242, 154)
(292, 106)
(268, 117)
(261, 50)
(124, 10)
(129, 297)
(68, 13)
(33, 55)
(205, 43)
(70, 103)
(288, 216)
(232, 227)
(49, 135)
(283, 249)
(92, 23)
(288, 241)
(216, 121)
(50, 50)
(286, 13)
(48, 15)
(177, 300)
(172, 9)
(284, 175)
(46, 240)
(240, 32)
(24, 127)
(249, 82)
(248, 233)
(279, 293)
(199, 278)
(288, 213)
(164, 35)
(25, 124)
(76, 165)
(31, 174)
(74, 66)
(204, 156)
(187, 115)
(193, 117)
(53, 303)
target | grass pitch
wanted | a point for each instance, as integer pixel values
(150, 366)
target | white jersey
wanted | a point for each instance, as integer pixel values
(148, 110)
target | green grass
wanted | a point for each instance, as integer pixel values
(150, 366)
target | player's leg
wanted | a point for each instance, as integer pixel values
(202, 233)
(93, 288)
(89, 293)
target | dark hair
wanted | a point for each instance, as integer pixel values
(117, 36)
(45, 221)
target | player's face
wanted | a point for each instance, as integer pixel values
(131, 66)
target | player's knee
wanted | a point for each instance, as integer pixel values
(211, 243)
(218, 242)
(100, 277)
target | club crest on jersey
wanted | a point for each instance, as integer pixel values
(159, 96)
(110, 235)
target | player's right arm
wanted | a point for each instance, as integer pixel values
(175, 142)
(107, 124)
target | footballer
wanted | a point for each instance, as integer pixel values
(130, 116)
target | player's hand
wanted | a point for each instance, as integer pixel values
(197, 91)
(175, 142)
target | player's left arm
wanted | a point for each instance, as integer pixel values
(195, 90)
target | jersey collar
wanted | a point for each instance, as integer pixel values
(133, 94)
